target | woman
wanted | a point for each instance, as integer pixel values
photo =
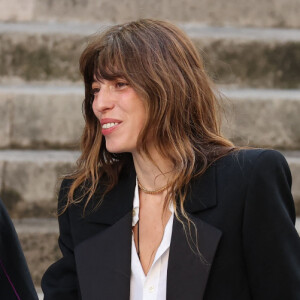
(162, 206)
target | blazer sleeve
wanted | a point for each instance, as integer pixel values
(60, 280)
(270, 240)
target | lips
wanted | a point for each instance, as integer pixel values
(109, 125)
(109, 120)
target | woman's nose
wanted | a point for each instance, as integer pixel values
(103, 100)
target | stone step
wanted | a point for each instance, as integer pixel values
(261, 13)
(29, 180)
(41, 117)
(237, 56)
(263, 118)
(38, 238)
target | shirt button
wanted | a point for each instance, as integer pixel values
(133, 213)
(151, 289)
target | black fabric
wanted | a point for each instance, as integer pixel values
(244, 213)
(15, 278)
(108, 262)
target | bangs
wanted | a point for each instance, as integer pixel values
(117, 53)
(109, 63)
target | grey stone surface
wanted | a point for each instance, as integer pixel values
(41, 156)
(40, 56)
(40, 250)
(263, 119)
(48, 120)
(252, 63)
(30, 182)
(5, 120)
(38, 238)
(17, 10)
(42, 118)
(263, 13)
(245, 57)
(36, 225)
(196, 30)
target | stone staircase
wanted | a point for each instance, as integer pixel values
(251, 49)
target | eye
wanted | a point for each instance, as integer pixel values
(121, 84)
(95, 91)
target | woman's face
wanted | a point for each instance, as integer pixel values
(121, 112)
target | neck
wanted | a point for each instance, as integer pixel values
(152, 175)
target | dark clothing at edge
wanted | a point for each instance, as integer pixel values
(15, 279)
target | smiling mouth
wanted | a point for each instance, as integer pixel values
(109, 125)
(108, 128)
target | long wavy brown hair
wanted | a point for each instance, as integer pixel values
(183, 113)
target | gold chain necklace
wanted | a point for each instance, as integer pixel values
(152, 192)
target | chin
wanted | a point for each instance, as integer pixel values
(113, 150)
(117, 149)
(114, 147)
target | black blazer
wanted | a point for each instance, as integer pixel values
(15, 279)
(244, 213)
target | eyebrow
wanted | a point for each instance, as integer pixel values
(117, 78)
(95, 82)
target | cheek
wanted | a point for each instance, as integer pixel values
(94, 111)
(93, 108)
(140, 112)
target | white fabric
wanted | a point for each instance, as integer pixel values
(154, 285)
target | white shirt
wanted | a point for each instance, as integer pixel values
(154, 285)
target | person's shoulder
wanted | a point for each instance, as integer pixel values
(251, 156)
(247, 161)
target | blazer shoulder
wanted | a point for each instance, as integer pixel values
(250, 157)
(245, 162)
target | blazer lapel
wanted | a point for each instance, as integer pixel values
(104, 262)
(188, 272)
